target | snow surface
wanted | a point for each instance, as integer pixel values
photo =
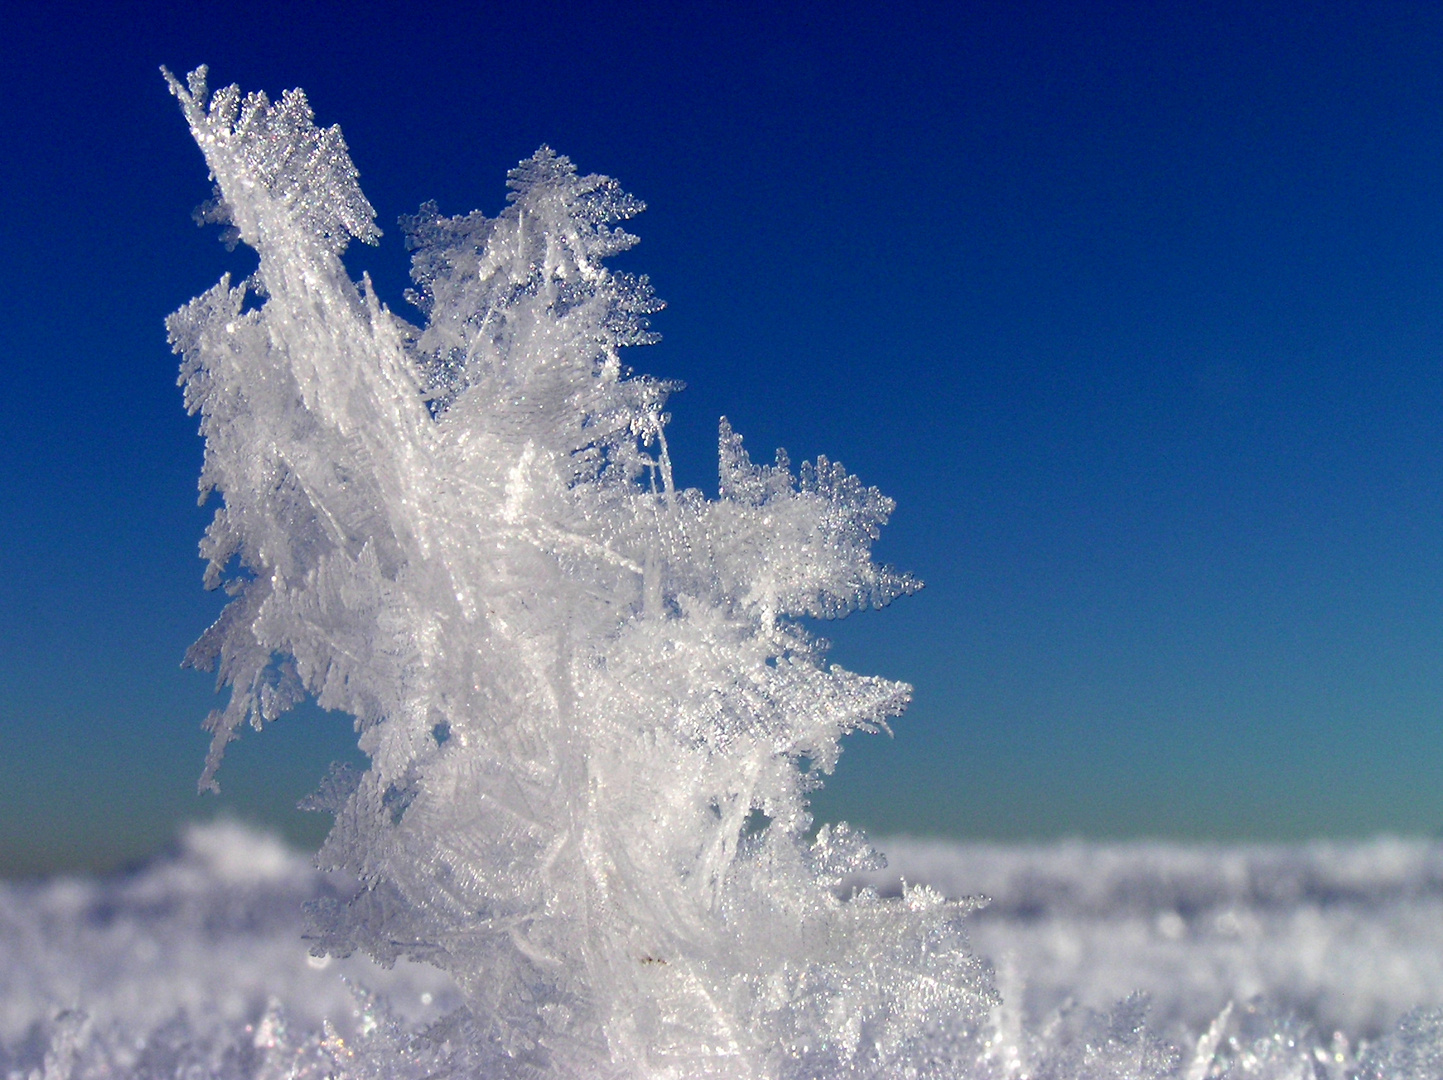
(195, 964)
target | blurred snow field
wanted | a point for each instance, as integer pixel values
(1343, 936)
(1113, 960)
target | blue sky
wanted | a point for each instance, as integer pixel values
(1136, 310)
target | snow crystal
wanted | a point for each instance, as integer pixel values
(471, 527)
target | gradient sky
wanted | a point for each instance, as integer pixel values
(1136, 310)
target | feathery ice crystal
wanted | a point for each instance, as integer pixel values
(592, 714)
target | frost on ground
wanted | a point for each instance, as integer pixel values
(593, 703)
(1343, 937)
(195, 967)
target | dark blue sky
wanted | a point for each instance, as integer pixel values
(1136, 310)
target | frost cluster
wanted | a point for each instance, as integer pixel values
(592, 711)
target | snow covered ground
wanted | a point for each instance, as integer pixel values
(1323, 950)
(1347, 937)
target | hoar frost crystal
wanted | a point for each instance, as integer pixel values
(592, 715)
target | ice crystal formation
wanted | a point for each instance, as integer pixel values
(592, 712)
